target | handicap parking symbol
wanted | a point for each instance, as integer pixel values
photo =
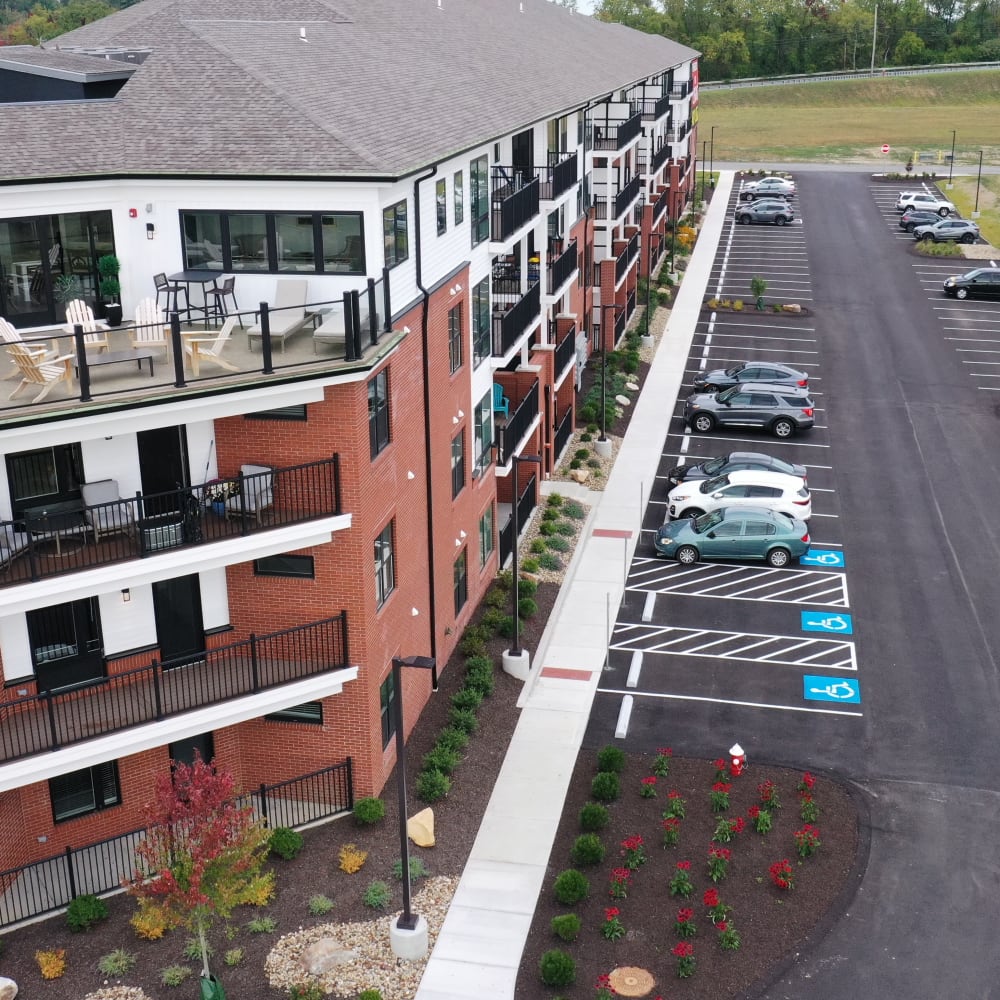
(822, 557)
(823, 621)
(816, 688)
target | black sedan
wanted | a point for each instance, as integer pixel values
(982, 283)
(750, 371)
(735, 461)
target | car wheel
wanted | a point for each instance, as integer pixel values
(779, 220)
(943, 212)
(783, 428)
(910, 226)
(703, 423)
(968, 238)
(779, 558)
(747, 196)
(926, 238)
(687, 554)
(691, 512)
(745, 220)
(710, 387)
(962, 293)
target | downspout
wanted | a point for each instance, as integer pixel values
(425, 346)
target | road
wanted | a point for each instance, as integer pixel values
(904, 470)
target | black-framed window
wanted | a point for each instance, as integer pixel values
(461, 575)
(274, 242)
(385, 565)
(455, 338)
(395, 234)
(441, 205)
(378, 412)
(310, 712)
(479, 199)
(457, 463)
(482, 333)
(487, 541)
(81, 792)
(297, 411)
(44, 476)
(458, 194)
(387, 709)
(482, 433)
(285, 565)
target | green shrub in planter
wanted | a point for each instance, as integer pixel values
(369, 811)
(557, 969)
(481, 680)
(585, 438)
(554, 500)
(441, 759)
(546, 528)
(539, 545)
(507, 631)
(574, 510)
(566, 528)
(505, 579)
(605, 787)
(566, 927)
(369, 995)
(432, 785)
(550, 561)
(452, 738)
(575, 463)
(466, 698)
(592, 427)
(587, 413)
(559, 544)
(588, 849)
(581, 453)
(85, 911)
(571, 887)
(493, 617)
(496, 597)
(478, 663)
(285, 843)
(527, 607)
(594, 817)
(530, 565)
(527, 588)
(593, 463)
(464, 719)
(474, 641)
(611, 758)
(550, 514)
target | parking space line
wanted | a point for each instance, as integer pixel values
(749, 442)
(730, 701)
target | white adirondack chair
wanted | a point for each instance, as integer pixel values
(149, 330)
(95, 333)
(200, 346)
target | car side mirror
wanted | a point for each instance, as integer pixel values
(711, 534)
(716, 496)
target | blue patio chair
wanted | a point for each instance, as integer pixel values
(501, 404)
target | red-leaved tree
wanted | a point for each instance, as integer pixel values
(202, 854)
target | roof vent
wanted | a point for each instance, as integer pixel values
(302, 35)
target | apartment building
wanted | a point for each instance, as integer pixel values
(217, 534)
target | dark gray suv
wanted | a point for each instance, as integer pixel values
(765, 210)
(780, 409)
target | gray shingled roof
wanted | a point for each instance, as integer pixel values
(380, 87)
(29, 58)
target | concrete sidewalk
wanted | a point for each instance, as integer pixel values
(478, 951)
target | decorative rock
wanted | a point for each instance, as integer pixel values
(623, 401)
(792, 307)
(8, 988)
(631, 386)
(321, 956)
(579, 475)
(420, 828)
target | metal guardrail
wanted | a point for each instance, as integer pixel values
(517, 426)
(860, 74)
(565, 352)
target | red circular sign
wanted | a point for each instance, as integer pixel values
(885, 148)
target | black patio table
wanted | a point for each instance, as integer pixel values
(201, 277)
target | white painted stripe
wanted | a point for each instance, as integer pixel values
(743, 441)
(730, 701)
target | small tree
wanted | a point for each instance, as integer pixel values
(202, 854)
(757, 288)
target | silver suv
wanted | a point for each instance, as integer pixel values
(766, 210)
(780, 409)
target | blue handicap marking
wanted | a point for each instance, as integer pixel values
(822, 557)
(818, 688)
(823, 621)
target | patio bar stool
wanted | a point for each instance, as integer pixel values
(171, 289)
(215, 299)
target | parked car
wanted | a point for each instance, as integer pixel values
(959, 230)
(982, 283)
(914, 217)
(773, 210)
(925, 201)
(768, 187)
(782, 410)
(750, 371)
(730, 533)
(747, 488)
(731, 462)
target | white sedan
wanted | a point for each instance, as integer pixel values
(768, 187)
(745, 488)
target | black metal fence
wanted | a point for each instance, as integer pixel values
(508, 326)
(559, 177)
(514, 201)
(50, 884)
(565, 352)
(564, 430)
(525, 505)
(517, 426)
(561, 268)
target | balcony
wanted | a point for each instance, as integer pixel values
(611, 137)
(565, 353)
(627, 196)
(680, 132)
(45, 722)
(680, 90)
(555, 180)
(621, 264)
(514, 200)
(655, 109)
(564, 431)
(633, 248)
(510, 435)
(560, 268)
(660, 157)
(660, 205)
(525, 505)
(510, 321)
(75, 537)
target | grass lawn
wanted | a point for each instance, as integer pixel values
(963, 194)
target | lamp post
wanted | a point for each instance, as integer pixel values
(408, 936)
(649, 271)
(602, 445)
(673, 245)
(516, 661)
(704, 144)
(951, 164)
(711, 159)
(979, 177)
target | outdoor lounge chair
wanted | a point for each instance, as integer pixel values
(12, 544)
(331, 331)
(501, 404)
(257, 494)
(95, 334)
(104, 509)
(38, 371)
(201, 345)
(9, 334)
(288, 313)
(149, 330)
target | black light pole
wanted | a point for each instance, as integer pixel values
(979, 177)
(604, 368)
(673, 242)
(407, 919)
(711, 159)
(649, 273)
(951, 165)
(704, 143)
(516, 460)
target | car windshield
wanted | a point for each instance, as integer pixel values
(727, 393)
(706, 522)
(711, 485)
(713, 465)
(735, 370)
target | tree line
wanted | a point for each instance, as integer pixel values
(29, 22)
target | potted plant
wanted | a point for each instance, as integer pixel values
(110, 289)
(67, 287)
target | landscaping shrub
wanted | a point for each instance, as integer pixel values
(581, 453)
(233, 956)
(474, 641)
(538, 545)
(441, 759)
(369, 995)
(508, 626)
(285, 843)
(378, 896)
(369, 811)
(260, 925)
(417, 868)
(611, 758)
(566, 528)
(481, 680)
(51, 964)
(452, 738)
(575, 463)
(559, 544)
(493, 617)
(574, 510)
(496, 597)
(527, 607)
(174, 975)
(85, 911)
(505, 579)
(550, 561)
(588, 849)
(530, 565)
(466, 697)
(551, 513)
(320, 904)
(150, 922)
(117, 963)
(571, 887)
(527, 588)
(566, 926)
(464, 719)
(432, 785)
(557, 969)
(594, 463)
(605, 787)
(554, 500)
(588, 413)
(306, 991)
(584, 438)
(546, 528)
(594, 817)
(351, 858)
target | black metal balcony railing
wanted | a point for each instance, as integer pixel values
(514, 200)
(661, 156)
(512, 432)
(564, 430)
(627, 196)
(565, 352)
(73, 538)
(561, 269)
(660, 205)
(633, 248)
(622, 315)
(557, 178)
(509, 323)
(52, 720)
(525, 505)
(621, 264)
(652, 109)
(600, 207)
(610, 136)
(640, 165)
(681, 90)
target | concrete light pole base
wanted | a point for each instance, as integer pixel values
(646, 340)
(603, 448)
(516, 664)
(410, 946)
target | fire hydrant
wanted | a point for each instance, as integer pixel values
(737, 760)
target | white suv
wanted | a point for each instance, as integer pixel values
(744, 488)
(924, 202)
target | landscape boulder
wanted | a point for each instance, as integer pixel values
(325, 954)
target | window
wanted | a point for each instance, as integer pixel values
(249, 243)
(457, 463)
(378, 412)
(461, 581)
(310, 711)
(458, 193)
(387, 702)
(441, 205)
(44, 477)
(486, 543)
(385, 568)
(394, 234)
(285, 565)
(455, 338)
(479, 199)
(482, 339)
(483, 433)
(295, 412)
(86, 791)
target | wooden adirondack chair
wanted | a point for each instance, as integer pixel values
(149, 330)
(36, 371)
(200, 346)
(9, 334)
(95, 335)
